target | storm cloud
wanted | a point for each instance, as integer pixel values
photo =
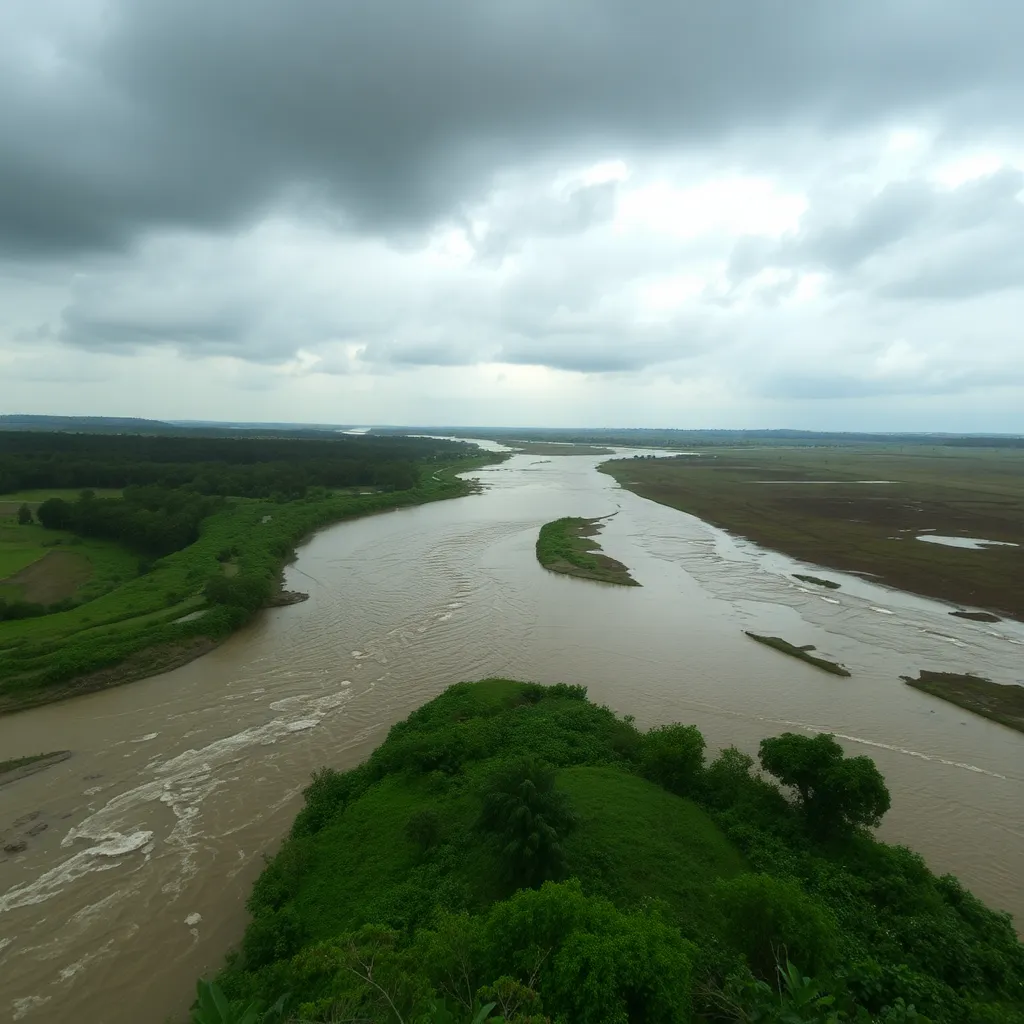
(388, 198)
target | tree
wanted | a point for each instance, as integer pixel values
(673, 757)
(836, 793)
(24, 516)
(771, 919)
(54, 514)
(530, 818)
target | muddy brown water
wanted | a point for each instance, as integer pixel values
(156, 827)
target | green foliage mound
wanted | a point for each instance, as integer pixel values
(513, 852)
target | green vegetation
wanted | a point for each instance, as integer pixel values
(827, 506)
(803, 653)
(514, 853)
(565, 546)
(817, 581)
(1002, 703)
(546, 448)
(106, 587)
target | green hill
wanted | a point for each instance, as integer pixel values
(513, 852)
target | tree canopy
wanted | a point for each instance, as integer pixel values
(836, 793)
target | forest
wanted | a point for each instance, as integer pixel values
(254, 467)
(515, 853)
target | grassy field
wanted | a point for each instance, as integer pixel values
(860, 510)
(637, 841)
(1000, 702)
(567, 546)
(44, 566)
(129, 629)
(802, 653)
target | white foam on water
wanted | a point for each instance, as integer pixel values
(26, 1005)
(181, 783)
(193, 919)
(4, 943)
(456, 604)
(829, 600)
(444, 617)
(898, 750)
(881, 611)
(145, 739)
(67, 973)
(104, 856)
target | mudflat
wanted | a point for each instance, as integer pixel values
(861, 509)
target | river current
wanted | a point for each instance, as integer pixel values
(146, 840)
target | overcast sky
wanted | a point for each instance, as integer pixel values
(721, 213)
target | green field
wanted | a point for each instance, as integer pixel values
(860, 509)
(567, 546)
(128, 629)
(103, 565)
(515, 854)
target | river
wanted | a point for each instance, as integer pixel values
(180, 784)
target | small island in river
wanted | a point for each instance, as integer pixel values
(1002, 702)
(803, 653)
(567, 546)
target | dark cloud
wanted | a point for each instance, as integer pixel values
(396, 112)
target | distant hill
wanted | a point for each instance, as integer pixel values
(84, 424)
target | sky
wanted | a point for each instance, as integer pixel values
(710, 213)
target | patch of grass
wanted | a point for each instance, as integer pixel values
(638, 842)
(770, 496)
(566, 546)
(803, 653)
(816, 580)
(1003, 703)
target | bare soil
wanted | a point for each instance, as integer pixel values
(55, 576)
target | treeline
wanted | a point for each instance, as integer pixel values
(647, 437)
(240, 466)
(152, 520)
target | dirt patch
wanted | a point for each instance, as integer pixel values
(55, 576)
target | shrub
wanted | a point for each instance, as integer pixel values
(673, 757)
(529, 818)
(769, 919)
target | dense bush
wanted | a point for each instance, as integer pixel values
(673, 757)
(529, 818)
(837, 793)
(385, 869)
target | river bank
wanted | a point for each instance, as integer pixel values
(864, 511)
(128, 636)
(181, 782)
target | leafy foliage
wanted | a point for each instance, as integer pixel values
(384, 904)
(673, 757)
(529, 818)
(836, 793)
